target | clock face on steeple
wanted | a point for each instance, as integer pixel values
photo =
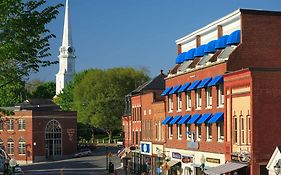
(69, 49)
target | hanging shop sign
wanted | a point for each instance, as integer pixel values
(187, 159)
(213, 160)
(176, 155)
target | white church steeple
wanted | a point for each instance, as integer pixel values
(67, 55)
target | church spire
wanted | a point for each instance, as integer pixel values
(67, 39)
(67, 55)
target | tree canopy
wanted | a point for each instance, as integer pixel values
(24, 39)
(98, 95)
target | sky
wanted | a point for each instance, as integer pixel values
(135, 33)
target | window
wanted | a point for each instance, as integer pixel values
(188, 100)
(10, 146)
(198, 99)
(21, 146)
(235, 130)
(179, 132)
(163, 132)
(170, 130)
(159, 130)
(11, 124)
(209, 97)
(144, 112)
(149, 112)
(220, 132)
(249, 129)
(179, 101)
(243, 139)
(220, 95)
(170, 103)
(21, 124)
(209, 131)
(198, 132)
(188, 131)
(137, 137)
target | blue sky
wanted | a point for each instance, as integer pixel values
(136, 33)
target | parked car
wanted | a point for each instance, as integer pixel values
(83, 152)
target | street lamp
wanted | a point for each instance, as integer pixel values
(277, 168)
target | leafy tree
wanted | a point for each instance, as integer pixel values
(24, 39)
(99, 97)
(45, 90)
(65, 99)
(32, 85)
(12, 94)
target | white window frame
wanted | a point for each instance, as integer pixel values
(249, 129)
(220, 95)
(179, 128)
(11, 147)
(144, 112)
(209, 132)
(220, 126)
(149, 112)
(11, 126)
(170, 131)
(198, 98)
(235, 130)
(198, 132)
(188, 100)
(209, 97)
(21, 149)
(179, 101)
(188, 131)
(21, 124)
(170, 103)
(243, 130)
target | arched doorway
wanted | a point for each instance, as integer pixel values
(53, 140)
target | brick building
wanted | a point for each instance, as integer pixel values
(37, 131)
(144, 112)
(219, 94)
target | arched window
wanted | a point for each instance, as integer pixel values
(21, 146)
(53, 139)
(10, 148)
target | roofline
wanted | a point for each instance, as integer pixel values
(252, 69)
(209, 26)
(260, 11)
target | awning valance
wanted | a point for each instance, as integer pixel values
(225, 168)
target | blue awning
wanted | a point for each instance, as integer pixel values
(175, 120)
(184, 87)
(167, 120)
(184, 119)
(210, 47)
(180, 58)
(218, 79)
(234, 38)
(175, 89)
(217, 117)
(204, 118)
(199, 52)
(166, 91)
(221, 43)
(189, 55)
(194, 85)
(194, 118)
(204, 82)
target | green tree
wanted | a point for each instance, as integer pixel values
(45, 90)
(99, 97)
(24, 39)
(12, 94)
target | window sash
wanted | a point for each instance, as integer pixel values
(179, 99)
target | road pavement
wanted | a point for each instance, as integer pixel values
(91, 165)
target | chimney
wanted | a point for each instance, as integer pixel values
(219, 28)
(161, 72)
(179, 49)
(198, 40)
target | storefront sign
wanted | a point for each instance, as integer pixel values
(176, 155)
(192, 145)
(187, 159)
(213, 160)
(146, 148)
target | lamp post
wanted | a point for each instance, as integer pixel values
(33, 152)
(277, 168)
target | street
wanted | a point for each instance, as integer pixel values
(91, 165)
